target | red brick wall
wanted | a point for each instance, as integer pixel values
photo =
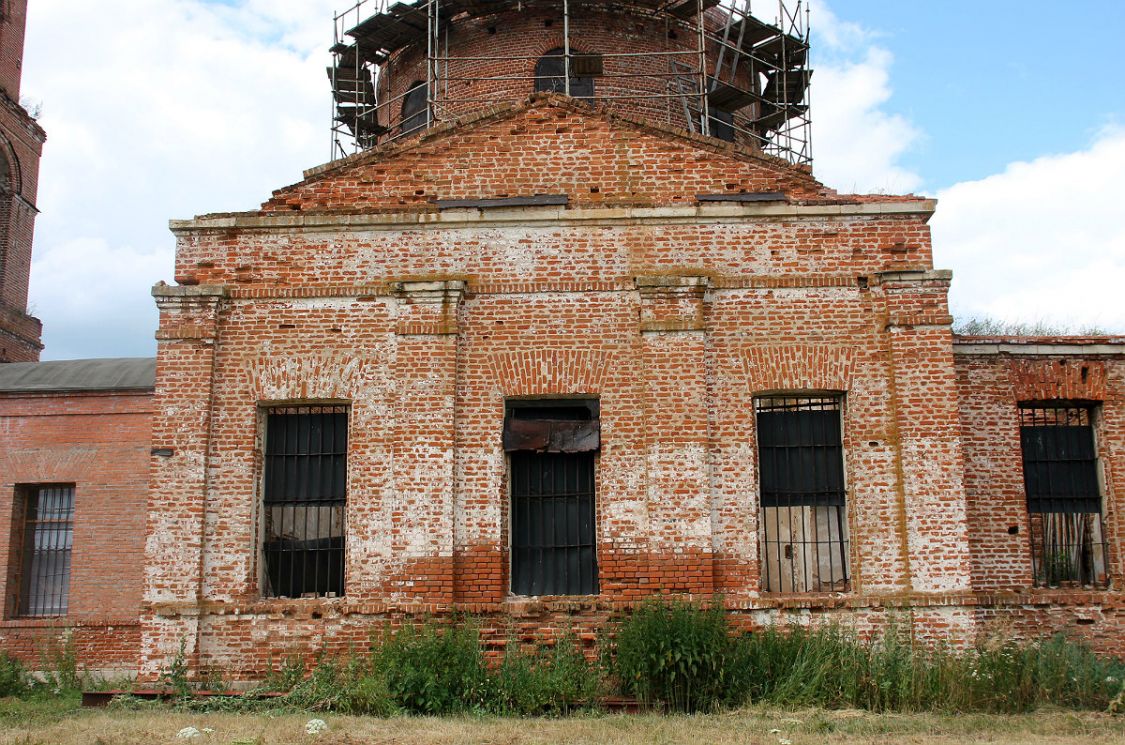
(426, 322)
(13, 21)
(99, 442)
(21, 143)
(553, 147)
(994, 376)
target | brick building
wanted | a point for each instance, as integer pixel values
(21, 142)
(537, 357)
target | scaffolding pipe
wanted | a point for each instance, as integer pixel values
(566, 47)
(704, 111)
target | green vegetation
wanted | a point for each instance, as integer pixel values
(669, 654)
(984, 326)
(678, 655)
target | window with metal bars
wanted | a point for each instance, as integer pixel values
(304, 501)
(48, 536)
(804, 521)
(1060, 475)
(552, 447)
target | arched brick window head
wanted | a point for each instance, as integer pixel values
(549, 75)
(415, 111)
(7, 190)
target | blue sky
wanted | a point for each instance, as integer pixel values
(1011, 113)
(989, 83)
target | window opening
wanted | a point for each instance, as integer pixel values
(803, 495)
(1063, 497)
(552, 447)
(722, 124)
(415, 108)
(304, 500)
(550, 75)
(48, 538)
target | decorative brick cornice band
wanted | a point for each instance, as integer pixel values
(710, 212)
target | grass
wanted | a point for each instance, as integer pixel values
(65, 725)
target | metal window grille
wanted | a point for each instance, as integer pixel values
(48, 538)
(1063, 498)
(803, 496)
(304, 500)
(552, 487)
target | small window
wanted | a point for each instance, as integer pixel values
(304, 501)
(550, 75)
(552, 446)
(1063, 497)
(722, 124)
(803, 496)
(48, 535)
(415, 108)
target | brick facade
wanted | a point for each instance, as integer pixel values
(99, 443)
(357, 288)
(353, 287)
(994, 376)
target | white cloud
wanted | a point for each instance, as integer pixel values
(171, 108)
(102, 306)
(857, 143)
(1043, 240)
(156, 110)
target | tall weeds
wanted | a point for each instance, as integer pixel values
(829, 667)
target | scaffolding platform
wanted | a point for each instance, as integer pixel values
(734, 75)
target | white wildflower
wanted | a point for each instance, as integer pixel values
(1111, 680)
(188, 733)
(315, 726)
(208, 730)
(784, 741)
(775, 731)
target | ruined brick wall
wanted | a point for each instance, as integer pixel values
(21, 143)
(98, 442)
(994, 376)
(674, 314)
(556, 147)
(498, 55)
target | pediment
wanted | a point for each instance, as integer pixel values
(546, 145)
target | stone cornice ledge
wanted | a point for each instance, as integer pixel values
(709, 212)
(1077, 348)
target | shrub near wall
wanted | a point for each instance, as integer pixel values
(680, 656)
(441, 669)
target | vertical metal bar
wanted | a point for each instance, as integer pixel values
(566, 46)
(704, 110)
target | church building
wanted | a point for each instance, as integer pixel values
(569, 322)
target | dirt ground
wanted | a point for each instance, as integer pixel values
(745, 727)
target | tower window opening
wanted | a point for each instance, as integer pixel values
(722, 124)
(550, 75)
(415, 108)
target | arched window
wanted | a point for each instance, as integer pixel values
(550, 71)
(415, 108)
(8, 182)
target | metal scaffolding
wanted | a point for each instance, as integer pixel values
(734, 75)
